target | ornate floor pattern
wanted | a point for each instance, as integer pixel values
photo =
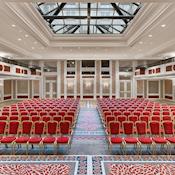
(89, 134)
(87, 165)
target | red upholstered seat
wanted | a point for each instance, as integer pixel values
(145, 140)
(8, 139)
(23, 139)
(171, 139)
(49, 139)
(35, 140)
(116, 140)
(159, 140)
(62, 139)
(131, 140)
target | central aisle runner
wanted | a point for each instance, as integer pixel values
(89, 136)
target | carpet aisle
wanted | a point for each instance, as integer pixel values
(89, 137)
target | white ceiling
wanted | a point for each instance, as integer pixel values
(26, 36)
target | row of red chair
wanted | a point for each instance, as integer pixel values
(33, 133)
(129, 122)
(154, 138)
(59, 118)
(30, 123)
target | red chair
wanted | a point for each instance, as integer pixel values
(46, 119)
(155, 129)
(24, 118)
(143, 138)
(116, 113)
(7, 113)
(166, 113)
(52, 113)
(109, 118)
(146, 113)
(3, 126)
(169, 133)
(24, 135)
(128, 130)
(52, 127)
(166, 117)
(13, 117)
(127, 113)
(137, 113)
(62, 113)
(35, 118)
(145, 118)
(24, 113)
(43, 113)
(33, 113)
(37, 133)
(133, 118)
(156, 118)
(14, 113)
(70, 119)
(156, 113)
(3, 117)
(11, 134)
(65, 133)
(114, 135)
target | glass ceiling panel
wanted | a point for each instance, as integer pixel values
(88, 18)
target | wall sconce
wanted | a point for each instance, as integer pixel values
(88, 84)
(70, 85)
(106, 85)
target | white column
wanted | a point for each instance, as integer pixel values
(110, 84)
(95, 80)
(58, 79)
(134, 81)
(75, 81)
(101, 85)
(65, 80)
(42, 85)
(117, 85)
(81, 82)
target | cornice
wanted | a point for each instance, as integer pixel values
(23, 12)
(147, 18)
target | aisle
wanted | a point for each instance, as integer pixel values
(89, 136)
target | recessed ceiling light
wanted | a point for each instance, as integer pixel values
(141, 42)
(19, 39)
(13, 25)
(26, 35)
(150, 36)
(163, 25)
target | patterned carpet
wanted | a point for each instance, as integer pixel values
(89, 134)
(86, 165)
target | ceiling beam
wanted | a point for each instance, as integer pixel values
(85, 17)
(70, 28)
(60, 28)
(57, 11)
(98, 27)
(88, 17)
(106, 28)
(118, 10)
(76, 28)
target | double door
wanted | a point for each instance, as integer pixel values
(125, 88)
(51, 89)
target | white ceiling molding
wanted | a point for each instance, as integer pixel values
(147, 20)
(27, 21)
(16, 49)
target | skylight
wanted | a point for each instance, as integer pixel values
(88, 18)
